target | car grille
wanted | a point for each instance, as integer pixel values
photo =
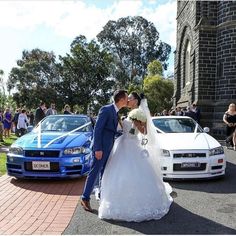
(189, 155)
(178, 167)
(54, 167)
(41, 153)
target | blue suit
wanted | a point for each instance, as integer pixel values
(103, 140)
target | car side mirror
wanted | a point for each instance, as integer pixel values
(206, 129)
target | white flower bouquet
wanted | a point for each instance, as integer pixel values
(136, 115)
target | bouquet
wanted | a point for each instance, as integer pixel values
(136, 115)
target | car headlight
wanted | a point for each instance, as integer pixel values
(165, 153)
(16, 150)
(216, 151)
(75, 150)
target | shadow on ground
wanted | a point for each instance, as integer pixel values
(177, 221)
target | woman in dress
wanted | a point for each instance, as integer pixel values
(229, 119)
(132, 188)
(7, 120)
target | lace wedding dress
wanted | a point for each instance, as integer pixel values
(132, 189)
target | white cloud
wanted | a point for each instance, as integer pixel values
(69, 19)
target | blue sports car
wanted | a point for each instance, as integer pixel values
(58, 147)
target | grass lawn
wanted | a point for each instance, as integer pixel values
(7, 142)
(3, 158)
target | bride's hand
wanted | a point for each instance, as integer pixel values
(98, 155)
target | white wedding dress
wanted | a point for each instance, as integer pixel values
(131, 187)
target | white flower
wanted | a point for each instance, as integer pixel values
(137, 114)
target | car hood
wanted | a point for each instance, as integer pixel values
(32, 140)
(180, 141)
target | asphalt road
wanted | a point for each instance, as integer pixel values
(201, 207)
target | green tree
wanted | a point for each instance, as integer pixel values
(2, 91)
(134, 42)
(85, 74)
(34, 79)
(158, 90)
(155, 68)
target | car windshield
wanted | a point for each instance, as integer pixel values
(64, 124)
(177, 125)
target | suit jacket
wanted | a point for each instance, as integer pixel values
(39, 115)
(105, 129)
(51, 112)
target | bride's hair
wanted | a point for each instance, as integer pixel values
(136, 96)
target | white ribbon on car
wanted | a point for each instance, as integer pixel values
(61, 136)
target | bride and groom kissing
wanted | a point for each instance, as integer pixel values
(131, 183)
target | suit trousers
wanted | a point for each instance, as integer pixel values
(95, 173)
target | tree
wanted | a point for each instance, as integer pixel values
(2, 91)
(134, 43)
(158, 90)
(85, 74)
(34, 79)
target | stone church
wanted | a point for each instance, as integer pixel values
(205, 59)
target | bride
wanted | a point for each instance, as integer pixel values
(132, 188)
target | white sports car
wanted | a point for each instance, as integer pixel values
(187, 151)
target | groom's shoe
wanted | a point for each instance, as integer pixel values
(86, 205)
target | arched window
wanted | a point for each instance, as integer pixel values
(187, 64)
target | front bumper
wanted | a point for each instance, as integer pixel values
(60, 167)
(193, 168)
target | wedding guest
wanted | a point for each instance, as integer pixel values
(15, 120)
(1, 127)
(229, 119)
(31, 118)
(197, 112)
(67, 109)
(7, 121)
(52, 110)
(22, 122)
(39, 113)
(190, 113)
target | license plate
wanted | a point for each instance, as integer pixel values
(40, 165)
(190, 164)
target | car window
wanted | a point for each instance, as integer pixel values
(176, 125)
(65, 124)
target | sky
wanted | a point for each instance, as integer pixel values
(52, 25)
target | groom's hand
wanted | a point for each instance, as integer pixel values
(98, 155)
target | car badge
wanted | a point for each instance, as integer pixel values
(41, 153)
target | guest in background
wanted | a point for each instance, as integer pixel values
(197, 112)
(1, 126)
(23, 122)
(39, 113)
(7, 121)
(15, 120)
(52, 110)
(229, 119)
(31, 118)
(178, 111)
(67, 109)
(190, 113)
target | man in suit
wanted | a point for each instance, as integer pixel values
(39, 113)
(103, 140)
(52, 110)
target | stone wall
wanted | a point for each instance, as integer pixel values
(211, 28)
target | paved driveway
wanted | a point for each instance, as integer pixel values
(51, 207)
(201, 207)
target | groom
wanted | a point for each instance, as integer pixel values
(103, 140)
